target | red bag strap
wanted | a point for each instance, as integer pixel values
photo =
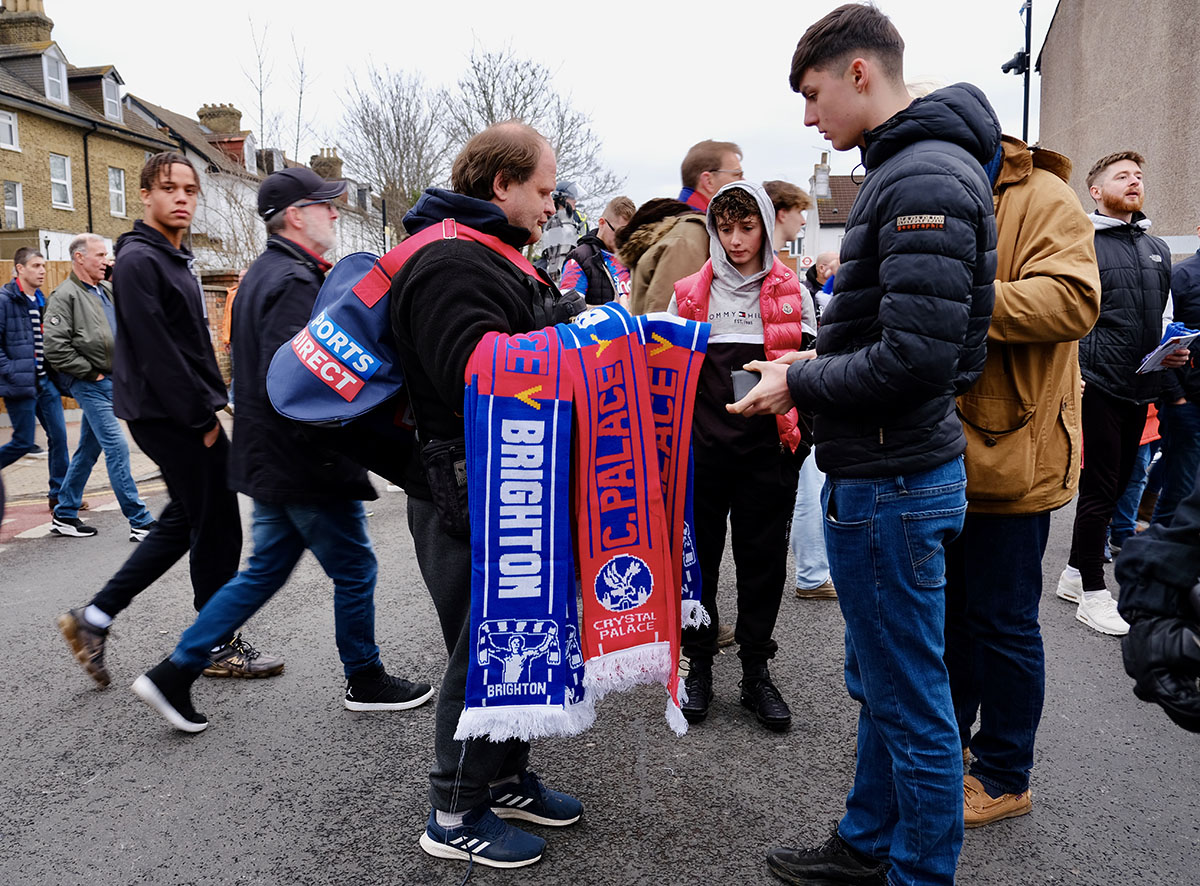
(378, 280)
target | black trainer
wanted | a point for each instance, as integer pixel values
(760, 695)
(71, 526)
(380, 691)
(168, 690)
(834, 861)
(698, 685)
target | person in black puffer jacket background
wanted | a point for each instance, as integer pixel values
(904, 334)
(1135, 283)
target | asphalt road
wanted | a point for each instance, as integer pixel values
(287, 787)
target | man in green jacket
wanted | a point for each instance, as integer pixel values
(79, 331)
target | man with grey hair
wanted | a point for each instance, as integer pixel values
(80, 332)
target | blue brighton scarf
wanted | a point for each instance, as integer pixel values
(525, 679)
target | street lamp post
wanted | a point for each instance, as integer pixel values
(1020, 64)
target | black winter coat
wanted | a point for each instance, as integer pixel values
(163, 364)
(1185, 295)
(906, 330)
(271, 459)
(1135, 280)
(446, 298)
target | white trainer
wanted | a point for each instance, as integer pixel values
(1070, 585)
(1101, 614)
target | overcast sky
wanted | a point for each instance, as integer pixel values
(654, 77)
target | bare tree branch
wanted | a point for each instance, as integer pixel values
(392, 137)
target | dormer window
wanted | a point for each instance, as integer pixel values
(54, 69)
(112, 99)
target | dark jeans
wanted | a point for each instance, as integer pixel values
(1124, 520)
(886, 540)
(336, 533)
(994, 643)
(755, 498)
(46, 409)
(201, 519)
(462, 770)
(1180, 427)
(1112, 432)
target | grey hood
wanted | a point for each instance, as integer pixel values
(728, 280)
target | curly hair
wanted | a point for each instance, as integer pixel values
(733, 205)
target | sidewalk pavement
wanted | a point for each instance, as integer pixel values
(26, 482)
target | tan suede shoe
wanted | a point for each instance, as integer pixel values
(980, 809)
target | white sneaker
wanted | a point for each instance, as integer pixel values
(1101, 614)
(1070, 585)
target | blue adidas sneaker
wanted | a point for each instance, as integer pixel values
(484, 838)
(530, 800)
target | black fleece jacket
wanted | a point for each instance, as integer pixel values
(447, 297)
(906, 330)
(164, 366)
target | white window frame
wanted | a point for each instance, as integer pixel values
(112, 103)
(51, 59)
(116, 193)
(9, 118)
(70, 204)
(20, 207)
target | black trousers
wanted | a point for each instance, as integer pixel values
(462, 770)
(755, 497)
(201, 519)
(1112, 431)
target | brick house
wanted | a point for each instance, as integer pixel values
(69, 156)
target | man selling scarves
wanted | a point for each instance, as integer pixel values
(444, 300)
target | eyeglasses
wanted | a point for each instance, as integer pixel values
(313, 203)
(735, 172)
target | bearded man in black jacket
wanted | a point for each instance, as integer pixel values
(1135, 283)
(166, 385)
(445, 298)
(904, 334)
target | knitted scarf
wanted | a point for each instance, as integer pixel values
(526, 677)
(632, 383)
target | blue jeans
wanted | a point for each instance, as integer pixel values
(336, 533)
(100, 430)
(994, 643)
(885, 539)
(1180, 426)
(1124, 520)
(808, 533)
(46, 409)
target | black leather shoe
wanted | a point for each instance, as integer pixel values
(834, 861)
(699, 690)
(760, 695)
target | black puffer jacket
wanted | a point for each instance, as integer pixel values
(446, 298)
(271, 460)
(907, 328)
(1135, 280)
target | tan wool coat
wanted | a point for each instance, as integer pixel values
(1021, 417)
(660, 255)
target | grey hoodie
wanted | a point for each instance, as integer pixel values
(733, 308)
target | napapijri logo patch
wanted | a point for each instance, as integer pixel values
(920, 222)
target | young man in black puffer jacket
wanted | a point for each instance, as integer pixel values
(904, 334)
